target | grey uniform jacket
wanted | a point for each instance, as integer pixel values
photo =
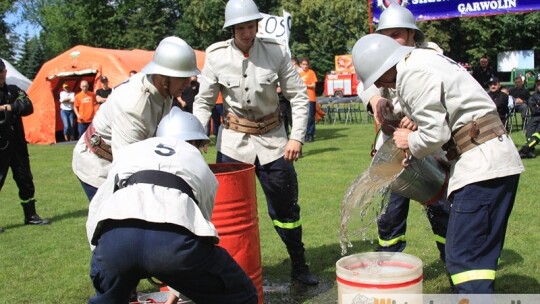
(131, 113)
(441, 96)
(153, 203)
(248, 88)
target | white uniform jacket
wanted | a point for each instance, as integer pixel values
(441, 96)
(248, 87)
(131, 113)
(153, 203)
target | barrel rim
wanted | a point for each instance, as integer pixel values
(238, 168)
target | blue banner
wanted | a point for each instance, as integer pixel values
(444, 9)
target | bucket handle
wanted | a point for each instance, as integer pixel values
(407, 159)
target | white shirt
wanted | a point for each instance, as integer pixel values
(131, 113)
(441, 97)
(153, 203)
(67, 105)
(248, 86)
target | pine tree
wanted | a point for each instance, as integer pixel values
(31, 57)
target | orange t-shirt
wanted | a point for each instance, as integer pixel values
(86, 106)
(310, 78)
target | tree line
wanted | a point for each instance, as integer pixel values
(321, 29)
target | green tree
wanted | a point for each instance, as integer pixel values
(31, 58)
(140, 24)
(322, 29)
(201, 23)
(67, 23)
(7, 38)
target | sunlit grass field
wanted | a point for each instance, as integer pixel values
(50, 264)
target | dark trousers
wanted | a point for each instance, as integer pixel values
(476, 232)
(14, 155)
(533, 126)
(81, 127)
(217, 114)
(392, 225)
(311, 119)
(89, 190)
(286, 114)
(130, 250)
(280, 185)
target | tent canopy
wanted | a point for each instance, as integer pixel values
(15, 77)
(71, 67)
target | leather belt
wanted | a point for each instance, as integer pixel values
(96, 144)
(160, 178)
(474, 134)
(258, 127)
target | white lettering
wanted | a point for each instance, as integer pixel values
(427, 1)
(484, 5)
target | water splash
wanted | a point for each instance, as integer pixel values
(365, 200)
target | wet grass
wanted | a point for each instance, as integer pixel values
(50, 264)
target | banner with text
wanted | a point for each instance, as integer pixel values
(276, 27)
(445, 9)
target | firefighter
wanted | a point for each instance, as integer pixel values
(151, 218)
(533, 126)
(246, 70)
(398, 23)
(14, 103)
(133, 110)
(452, 112)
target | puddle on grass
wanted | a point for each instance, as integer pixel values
(296, 293)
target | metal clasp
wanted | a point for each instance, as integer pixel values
(95, 140)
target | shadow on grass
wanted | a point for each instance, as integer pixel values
(279, 288)
(56, 218)
(308, 153)
(330, 133)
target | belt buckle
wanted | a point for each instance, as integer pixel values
(95, 140)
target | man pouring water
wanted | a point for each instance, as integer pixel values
(452, 112)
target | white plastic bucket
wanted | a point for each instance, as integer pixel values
(379, 275)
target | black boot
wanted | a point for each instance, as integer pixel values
(1, 229)
(526, 152)
(300, 271)
(30, 215)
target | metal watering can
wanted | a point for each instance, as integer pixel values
(423, 180)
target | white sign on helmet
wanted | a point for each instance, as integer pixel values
(276, 27)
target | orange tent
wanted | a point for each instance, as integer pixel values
(77, 64)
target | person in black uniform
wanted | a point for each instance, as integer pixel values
(499, 98)
(103, 93)
(484, 72)
(14, 103)
(533, 127)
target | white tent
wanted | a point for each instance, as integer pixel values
(15, 77)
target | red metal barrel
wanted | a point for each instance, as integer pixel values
(236, 219)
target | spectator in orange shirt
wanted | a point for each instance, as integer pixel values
(85, 107)
(310, 79)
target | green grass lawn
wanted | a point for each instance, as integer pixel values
(49, 264)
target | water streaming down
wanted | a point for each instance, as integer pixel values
(367, 197)
(423, 180)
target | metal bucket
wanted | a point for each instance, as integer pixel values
(423, 180)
